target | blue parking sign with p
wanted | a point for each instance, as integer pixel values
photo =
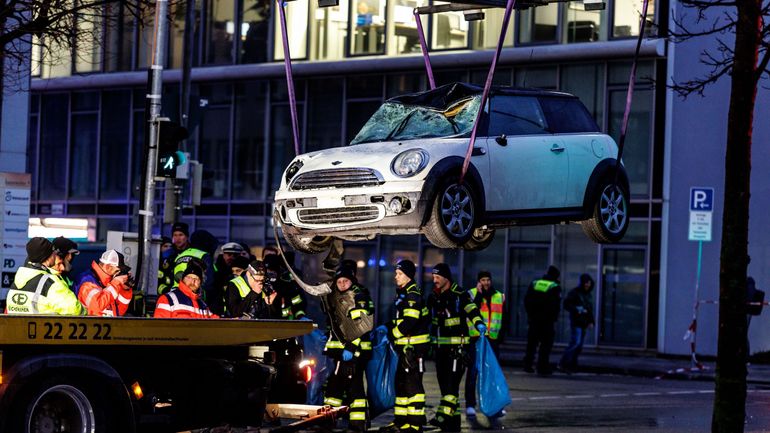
(702, 199)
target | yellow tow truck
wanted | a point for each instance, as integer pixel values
(123, 375)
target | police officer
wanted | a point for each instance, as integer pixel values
(491, 303)
(35, 290)
(65, 250)
(409, 335)
(452, 314)
(542, 303)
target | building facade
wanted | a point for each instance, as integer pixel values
(86, 131)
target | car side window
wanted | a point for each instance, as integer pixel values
(567, 115)
(516, 115)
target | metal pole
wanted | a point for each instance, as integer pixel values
(154, 101)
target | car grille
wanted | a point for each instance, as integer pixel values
(339, 215)
(337, 178)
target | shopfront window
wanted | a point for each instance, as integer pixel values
(248, 161)
(450, 30)
(296, 29)
(527, 262)
(623, 291)
(486, 32)
(329, 32)
(220, 32)
(254, 31)
(626, 18)
(539, 24)
(393, 249)
(581, 25)
(368, 27)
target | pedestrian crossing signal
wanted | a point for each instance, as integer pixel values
(170, 158)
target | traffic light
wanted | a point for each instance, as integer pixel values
(170, 158)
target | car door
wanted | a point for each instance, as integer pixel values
(528, 165)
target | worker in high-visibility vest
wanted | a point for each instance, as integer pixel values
(542, 303)
(409, 335)
(453, 313)
(36, 290)
(491, 304)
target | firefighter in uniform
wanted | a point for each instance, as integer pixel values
(542, 303)
(409, 334)
(452, 314)
(491, 303)
(35, 290)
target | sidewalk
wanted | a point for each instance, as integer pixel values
(642, 363)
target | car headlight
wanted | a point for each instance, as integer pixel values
(293, 169)
(409, 162)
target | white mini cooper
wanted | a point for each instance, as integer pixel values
(539, 158)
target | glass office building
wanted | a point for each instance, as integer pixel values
(87, 119)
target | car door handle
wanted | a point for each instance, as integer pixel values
(478, 151)
(557, 149)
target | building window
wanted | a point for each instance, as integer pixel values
(113, 150)
(139, 124)
(539, 24)
(622, 288)
(368, 27)
(587, 83)
(324, 113)
(213, 152)
(281, 139)
(329, 31)
(296, 30)
(626, 17)
(249, 160)
(220, 32)
(53, 146)
(581, 25)
(450, 30)
(118, 37)
(539, 77)
(486, 32)
(526, 263)
(402, 27)
(146, 34)
(255, 18)
(88, 45)
(178, 14)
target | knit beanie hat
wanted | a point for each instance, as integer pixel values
(345, 272)
(484, 274)
(407, 267)
(194, 267)
(39, 250)
(443, 270)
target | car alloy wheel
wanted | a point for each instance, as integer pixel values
(457, 213)
(613, 209)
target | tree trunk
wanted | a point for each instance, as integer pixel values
(730, 397)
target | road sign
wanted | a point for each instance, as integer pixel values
(701, 210)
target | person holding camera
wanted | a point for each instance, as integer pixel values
(106, 289)
(452, 314)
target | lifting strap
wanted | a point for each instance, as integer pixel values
(424, 48)
(289, 76)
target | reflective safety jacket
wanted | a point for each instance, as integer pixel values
(236, 291)
(180, 263)
(36, 291)
(101, 294)
(452, 313)
(543, 301)
(491, 309)
(182, 303)
(412, 318)
(351, 306)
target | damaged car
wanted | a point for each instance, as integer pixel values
(539, 158)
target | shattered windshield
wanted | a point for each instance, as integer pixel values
(396, 121)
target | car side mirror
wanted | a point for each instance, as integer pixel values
(502, 140)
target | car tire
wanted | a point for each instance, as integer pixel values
(480, 239)
(453, 215)
(609, 214)
(79, 403)
(309, 244)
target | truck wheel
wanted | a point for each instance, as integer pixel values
(610, 214)
(58, 404)
(452, 216)
(309, 244)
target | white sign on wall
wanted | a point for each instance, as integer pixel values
(14, 225)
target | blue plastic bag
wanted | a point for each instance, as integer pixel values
(314, 343)
(494, 394)
(381, 373)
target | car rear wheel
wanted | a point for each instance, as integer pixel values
(610, 218)
(309, 244)
(480, 239)
(453, 216)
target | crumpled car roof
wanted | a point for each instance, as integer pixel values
(443, 96)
